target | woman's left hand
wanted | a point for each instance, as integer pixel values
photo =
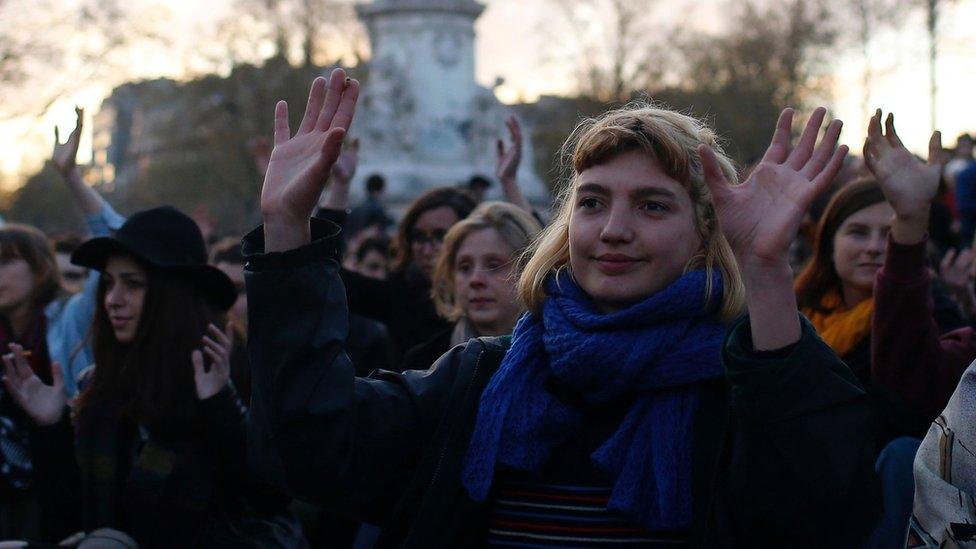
(217, 346)
(761, 216)
(908, 184)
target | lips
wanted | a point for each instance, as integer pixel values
(479, 302)
(613, 264)
(119, 320)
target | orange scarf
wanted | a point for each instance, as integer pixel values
(842, 328)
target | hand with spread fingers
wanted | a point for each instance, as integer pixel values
(217, 346)
(344, 169)
(761, 216)
(65, 154)
(45, 404)
(908, 183)
(300, 164)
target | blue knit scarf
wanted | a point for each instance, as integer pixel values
(660, 349)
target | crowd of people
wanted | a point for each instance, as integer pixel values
(682, 352)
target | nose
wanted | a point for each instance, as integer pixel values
(114, 298)
(477, 279)
(877, 244)
(618, 226)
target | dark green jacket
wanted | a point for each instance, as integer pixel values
(782, 447)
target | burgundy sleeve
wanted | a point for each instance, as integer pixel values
(908, 355)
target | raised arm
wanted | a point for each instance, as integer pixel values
(507, 164)
(64, 159)
(761, 216)
(314, 428)
(908, 353)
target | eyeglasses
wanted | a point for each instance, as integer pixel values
(434, 238)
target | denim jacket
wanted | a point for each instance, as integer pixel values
(69, 318)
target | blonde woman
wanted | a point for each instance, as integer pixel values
(631, 389)
(474, 278)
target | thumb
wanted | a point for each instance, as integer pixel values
(935, 147)
(712, 172)
(197, 357)
(57, 375)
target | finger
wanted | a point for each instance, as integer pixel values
(891, 134)
(347, 107)
(935, 147)
(219, 335)
(20, 362)
(281, 131)
(331, 148)
(869, 157)
(316, 96)
(79, 121)
(826, 176)
(779, 146)
(712, 172)
(10, 372)
(824, 151)
(874, 132)
(215, 358)
(808, 139)
(57, 375)
(947, 260)
(211, 344)
(333, 96)
(197, 358)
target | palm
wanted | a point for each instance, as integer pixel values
(909, 184)
(508, 160)
(43, 403)
(300, 165)
(760, 217)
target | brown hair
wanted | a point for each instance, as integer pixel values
(458, 200)
(515, 226)
(28, 243)
(671, 139)
(151, 378)
(820, 275)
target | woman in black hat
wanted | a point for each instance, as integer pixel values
(159, 426)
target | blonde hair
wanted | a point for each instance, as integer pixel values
(671, 139)
(515, 226)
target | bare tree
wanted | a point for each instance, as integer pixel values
(868, 18)
(610, 65)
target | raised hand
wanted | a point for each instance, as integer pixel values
(760, 217)
(345, 167)
(64, 156)
(45, 404)
(217, 346)
(300, 165)
(956, 270)
(909, 184)
(509, 158)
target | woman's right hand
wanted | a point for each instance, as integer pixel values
(300, 165)
(43, 403)
(65, 154)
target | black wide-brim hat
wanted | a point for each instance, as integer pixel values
(163, 238)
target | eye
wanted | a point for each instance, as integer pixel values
(589, 203)
(652, 206)
(463, 268)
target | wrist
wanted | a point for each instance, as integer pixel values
(910, 229)
(283, 233)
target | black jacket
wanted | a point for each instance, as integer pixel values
(782, 447)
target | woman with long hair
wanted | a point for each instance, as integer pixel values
(158, 438)
(631, 387)
(474, 279)
(51, 324)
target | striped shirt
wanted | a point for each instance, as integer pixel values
(526, 513)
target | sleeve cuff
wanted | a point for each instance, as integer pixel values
(325, 245)
(904, 262)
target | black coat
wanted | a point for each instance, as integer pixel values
(783, 450)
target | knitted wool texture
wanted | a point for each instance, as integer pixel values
(657, 351)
